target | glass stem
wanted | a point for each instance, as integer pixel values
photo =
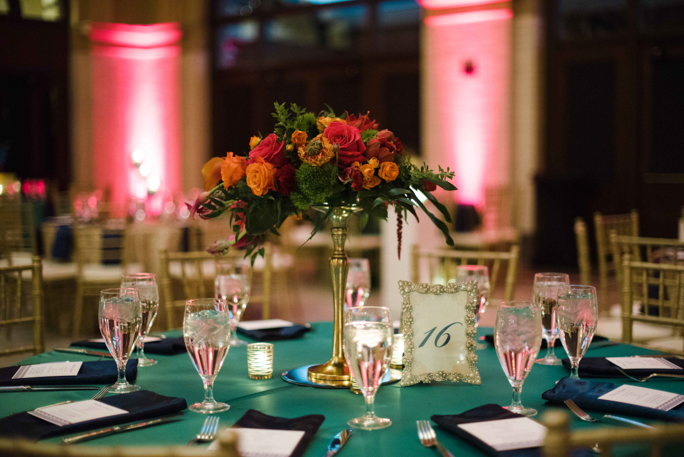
(121, 366)
(574, 372)
(141, 347)
(517, 391)
(208, 390)
(370, 405)
(551, 348)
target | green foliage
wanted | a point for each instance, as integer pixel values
(316, 184)
(300, 201)
(368, 135)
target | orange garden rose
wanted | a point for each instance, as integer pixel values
(260, 176)
(368, 172)
(324, 122)
(254, 142)
(211, 172)
(375, 163)
(232, 169)
(299, 137)
(317, 152)
(389, 171)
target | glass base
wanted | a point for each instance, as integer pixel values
(124, 388)
(529, 412)
(145, 362)
(209, 407)
(367, 422)
(549, 361)
(236, 342)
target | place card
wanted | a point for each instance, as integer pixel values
(73, 413)
(48, 370)
(264, 324)
(147, 339)
(641, 396)
(260, 442)
(643, 363)
(508, 434)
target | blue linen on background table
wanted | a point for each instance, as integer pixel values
(557, 343)
(100, 372)
(599, 367)
(586, 395)
(167, 346)
(275, 334)
(63, 243)
(140, 405)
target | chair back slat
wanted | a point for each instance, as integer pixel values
(17, 229)
(622, 224)
(582, 241)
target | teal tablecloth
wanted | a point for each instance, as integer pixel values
(175, 376)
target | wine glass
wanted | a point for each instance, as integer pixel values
(544, 294)
(233, 284)
(576, 318)
(146, 285)
(517, 338)
(479, 273)
(368, 335)
(120, 318)
(206, 330)
(358, 283)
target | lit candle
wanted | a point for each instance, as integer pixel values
(398, 352)
(260, 360)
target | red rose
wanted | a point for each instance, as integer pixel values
(353, 175)
(362, 123)
(429, 185)
(349, 140)
(399, 145)
(271, 151)
(381, 149)
(386, 135)
(285, 179)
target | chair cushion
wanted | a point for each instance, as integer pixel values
(108, 273)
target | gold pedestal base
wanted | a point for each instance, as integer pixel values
(332, 373)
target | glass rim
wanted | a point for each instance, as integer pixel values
(577, 287)
(365, 307)
(473, 268)
(139, 276)
(118, 290)
(550, 274)
(517, 304)
(197, 301)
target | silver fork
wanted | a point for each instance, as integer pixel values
(428, 438)
(579, 412)
(208, 431)
(652, 375)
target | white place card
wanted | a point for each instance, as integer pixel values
(259, 442)
(79, 411)
(641, 396)
(147, 339)
(508, 434)
(264, 324)
(48, 370)
(643, 363)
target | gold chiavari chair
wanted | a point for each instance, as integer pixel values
(442, 265)
(583, 260)
(227, 447)
(17, 232)
(15, 303)
(623, 224)
(560, 441)
(196, 272)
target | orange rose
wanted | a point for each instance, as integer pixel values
(389, 171)
(211, 172)
(369, 184)
(374, 162)
(232, 169)
(299, 137)
(368, 171)
(260, 176)
(323, 122)
(254, 142)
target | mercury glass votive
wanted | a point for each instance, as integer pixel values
(397, 361)
(355, 387)
(260, 360)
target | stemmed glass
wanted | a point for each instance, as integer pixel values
(517, 338)
(368, 335)
(479, 273)
(233, 284)
(120, 318)
(544, 294)
(576, 317)
(358, 283)
(206, 330)
(146, 285)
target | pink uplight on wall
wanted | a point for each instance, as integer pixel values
(136, 106)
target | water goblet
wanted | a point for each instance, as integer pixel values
(206, 330)
(479, 273)
(517, 339)
(368, 348)
(576, 318)
(120, 317)
(146, 285)
(545, 294)
(358, 283)
(233, 284)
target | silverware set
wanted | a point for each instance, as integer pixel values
(607, 417)
(208, 431)
(652, 375)
(100, 394)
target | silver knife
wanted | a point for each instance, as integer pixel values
(624, 420)
(118, 429)
(338, 442)
(84, 351)
(35, 388)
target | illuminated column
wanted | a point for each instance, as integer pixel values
(135, 107)
(466, 72)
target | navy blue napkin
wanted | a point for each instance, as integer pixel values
(140, 405)
(103, 372)
(557, 343)
(485, 413)
(167, 346)
(308, 424)
(599, 367)
(586, 395)
(275, 334)
(62, 245)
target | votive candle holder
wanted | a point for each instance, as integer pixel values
(260, 360)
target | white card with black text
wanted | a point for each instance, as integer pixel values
(259, 442)
(641, 396)
(508, 434)
(643, 363)
(79, 411)
(48, 370)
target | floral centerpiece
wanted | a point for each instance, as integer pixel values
(312, 161)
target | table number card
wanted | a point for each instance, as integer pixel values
(439, 333)
(48, 370)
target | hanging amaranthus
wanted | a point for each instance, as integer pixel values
(400, 221)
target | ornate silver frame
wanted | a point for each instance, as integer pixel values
(406, 287)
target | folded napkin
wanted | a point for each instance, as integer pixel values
(484, 413)
(308, 424)
(586, 395)
(167, 346)
(599, 367)
(63, 243)
(103, 372)
(140, 405)
(275, 334)
(557, 343)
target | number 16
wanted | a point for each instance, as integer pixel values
(439, 335)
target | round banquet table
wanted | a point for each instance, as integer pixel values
(175, 376)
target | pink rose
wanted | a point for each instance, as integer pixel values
(349, 140)
(271, 151)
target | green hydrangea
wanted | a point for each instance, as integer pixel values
(315, 184)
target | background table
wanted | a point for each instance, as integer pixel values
(175, 376)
